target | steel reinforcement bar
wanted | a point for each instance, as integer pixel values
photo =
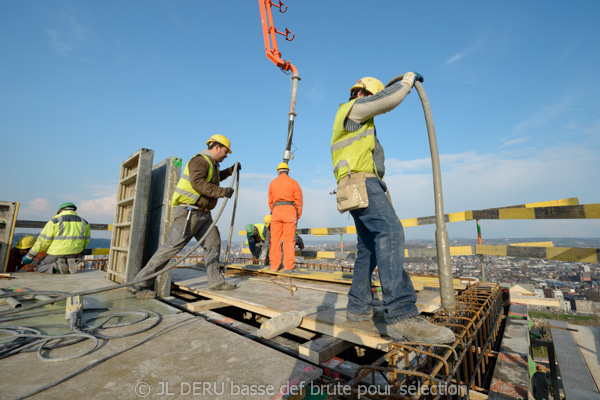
(430, 371)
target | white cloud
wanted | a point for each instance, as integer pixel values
(98, 210)
(470, 181)
(543, 116)
(462, 54)
(69, 36)
(37, 209)
(514, 141)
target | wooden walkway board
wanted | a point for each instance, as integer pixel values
(264, 297)
(419, 282)
(577, 381)
(588, 340)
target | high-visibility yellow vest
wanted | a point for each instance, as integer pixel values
(65, 234)
(184, 192)
(352, 151)
(261, 230)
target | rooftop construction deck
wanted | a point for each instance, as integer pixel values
(195, 342)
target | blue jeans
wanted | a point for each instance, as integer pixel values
(381, 244)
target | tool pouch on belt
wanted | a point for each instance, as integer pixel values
(352, 192)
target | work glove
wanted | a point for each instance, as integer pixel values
(239, 166)
(410, 78)
(228, 192)
(26, 260)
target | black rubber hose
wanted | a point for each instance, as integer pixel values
(441, 235)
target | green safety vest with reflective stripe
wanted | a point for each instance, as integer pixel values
(66, 233)
(184, 192)
(352, 151)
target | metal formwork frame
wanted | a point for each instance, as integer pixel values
(131, 212)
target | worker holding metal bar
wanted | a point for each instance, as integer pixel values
(63, 239)
(196, 194)
(285, 202)
(358, 166)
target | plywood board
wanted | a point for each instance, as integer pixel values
(578, 383)
(269, 299)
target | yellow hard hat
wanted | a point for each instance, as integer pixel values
(267, 219)
(282, 166)
(222, 140)
(26, 242)
(371, 84)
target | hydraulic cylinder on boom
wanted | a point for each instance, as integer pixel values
(273, 54)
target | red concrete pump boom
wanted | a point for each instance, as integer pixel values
(273, 54)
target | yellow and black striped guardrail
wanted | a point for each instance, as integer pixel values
(539, 250)
(554, 209)
(96, 252)
(22, 223)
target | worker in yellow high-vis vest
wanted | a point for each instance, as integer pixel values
(63, 239)
(196, 194)
(358, 166)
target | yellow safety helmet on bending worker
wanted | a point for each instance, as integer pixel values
(222, 140)
(26, 242)
(267, 219)
(373, 85)
(282, 166)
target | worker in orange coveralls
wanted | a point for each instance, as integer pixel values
(285, 202)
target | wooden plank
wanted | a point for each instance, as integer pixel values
(268, 299)
(588, 340)
(322, 349)
(204, 305)
(578, 383)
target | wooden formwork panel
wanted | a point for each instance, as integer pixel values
(8, 218)
(131, 213)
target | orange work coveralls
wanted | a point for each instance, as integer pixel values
(283, 220)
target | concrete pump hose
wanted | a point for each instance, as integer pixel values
(121, 285)
(441, 235)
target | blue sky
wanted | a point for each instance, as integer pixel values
(513, 87)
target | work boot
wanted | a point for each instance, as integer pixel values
(62, 266)
(73, 265)
(141, 293)
(223, 286)
(294, 270)
(146, 294)
(418, 329)
(374, 314)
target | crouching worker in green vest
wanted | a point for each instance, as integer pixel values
(257, 237)
(197, 187)
(63, 239)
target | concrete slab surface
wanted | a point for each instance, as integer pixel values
(189, 356)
